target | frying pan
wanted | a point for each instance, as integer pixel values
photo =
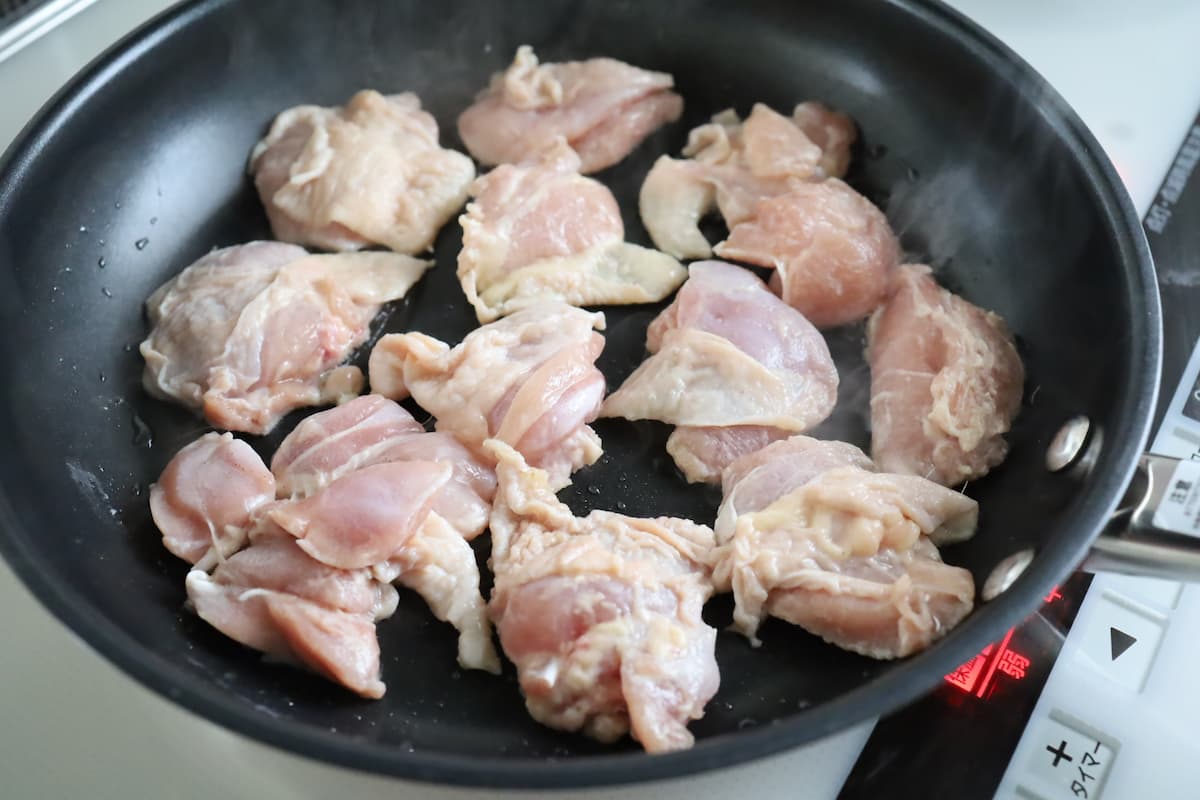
(138, 167)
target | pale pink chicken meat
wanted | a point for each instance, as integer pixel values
(529, 380)
(251, 332)
(330, 443)
(811, 533)
(539, 231)
(946, 382)
(701, 453)
(730, 164)
(362, 518)
(370, 172)
(602, 107)
(777, 470)
(732, 366)
(205, 499)
(833, 251)
(374, 430)
(602, 614)
(275, 598)
(382, 517)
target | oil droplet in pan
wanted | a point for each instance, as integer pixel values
(142, 435)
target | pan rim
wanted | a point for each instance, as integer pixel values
(896, 688)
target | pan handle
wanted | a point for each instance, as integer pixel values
(1155, 532)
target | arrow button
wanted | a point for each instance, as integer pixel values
(1120, 637)
(1119, 641)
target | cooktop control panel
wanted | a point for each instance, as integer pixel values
(1116, 718)
(1092, 696)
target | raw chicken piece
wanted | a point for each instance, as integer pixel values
(602, 107)
(701, 453)
(528, 380)
(330, 443)
(601, 615)
(380, 517)
(754, 481)
(733, 366)
(374, 430)
(810, 533)
(946, 382)
(274, 598)
(833, 132)
(438, 564)
(370, 172)
(248, 333)
(733, 164)
(205, 499)
(833, 250)
(364, 517)
(540, 231)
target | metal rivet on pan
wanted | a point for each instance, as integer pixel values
(1068, 443)
(1005, 573)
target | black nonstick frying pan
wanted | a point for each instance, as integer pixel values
(138, 167)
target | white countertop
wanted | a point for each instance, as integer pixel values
(74, 726)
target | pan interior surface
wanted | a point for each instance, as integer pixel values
(138, 168)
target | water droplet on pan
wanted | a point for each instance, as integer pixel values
(142, 435)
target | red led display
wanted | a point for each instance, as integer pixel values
(977, 676)
(966, 676)
(1013, 664)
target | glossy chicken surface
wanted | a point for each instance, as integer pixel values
(362, 491)
(946, 382)
(374, 430)
(275, 598)
(732, 366)
(404, 518)
(539, 231)
(204, 501)
(251, 332)
(730, 164)
(602, 107)
(810, 532)
(529, 380)
(833, 252)
(370, 172)
(601, 614)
